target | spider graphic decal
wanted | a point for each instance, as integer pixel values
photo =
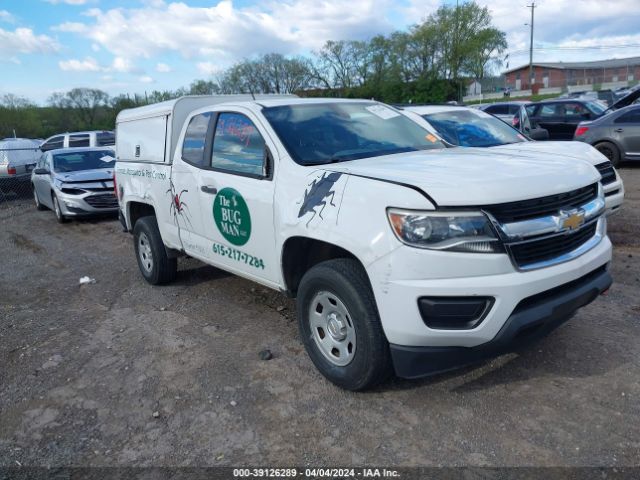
(178, 208)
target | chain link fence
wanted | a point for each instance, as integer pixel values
(18, 158)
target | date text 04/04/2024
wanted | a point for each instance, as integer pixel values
(315, 473)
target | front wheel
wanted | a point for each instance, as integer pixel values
(340, 325)
(610, 151)
(155, 265)
(57, 210)
(39, 205)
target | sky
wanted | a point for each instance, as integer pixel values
(133, 46)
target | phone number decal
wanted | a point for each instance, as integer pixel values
(238, 255)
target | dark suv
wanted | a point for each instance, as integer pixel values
(561, 117)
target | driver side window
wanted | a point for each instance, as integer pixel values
(238, 146)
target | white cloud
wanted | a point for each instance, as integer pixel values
(70, 27)
(208, 68)
(225, 32)
(23, 40)
(6, 17)
(89, 64)
(163, 68)
(145, 79)
(68, 2)
(123, 65)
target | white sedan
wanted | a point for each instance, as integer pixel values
(470, 127)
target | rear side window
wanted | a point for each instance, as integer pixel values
(55, 142)
(498, 110)
(513, 109)
(575, 109)
(195, 139)
(632, 116)
(79, 140)
(104, 139)
(548, 111)
(238, 146)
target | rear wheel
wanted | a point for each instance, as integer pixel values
(155, 265)
(610, 151)
(340, 325)
(39, 205)
(57, 210)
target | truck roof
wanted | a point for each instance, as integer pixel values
(180, 107)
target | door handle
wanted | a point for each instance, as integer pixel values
(209, 189)
(619, 130)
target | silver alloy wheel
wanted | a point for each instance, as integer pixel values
(144, 252)
(332, 328)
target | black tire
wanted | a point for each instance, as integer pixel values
(347, 280)
(609, 150)
(39, 205)
(56, 209)
(157, 268)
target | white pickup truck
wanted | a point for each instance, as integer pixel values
(403, 255)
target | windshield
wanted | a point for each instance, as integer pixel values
(473, 128)
(87, 160)
(334, 132)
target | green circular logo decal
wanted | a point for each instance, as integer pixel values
(231, 215)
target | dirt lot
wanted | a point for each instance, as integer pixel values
(83, 369)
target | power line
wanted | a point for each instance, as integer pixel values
(576, 48)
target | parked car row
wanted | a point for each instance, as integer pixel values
(612, 130)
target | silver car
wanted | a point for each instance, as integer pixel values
(75, 182)
(616, 135)
(18, 156)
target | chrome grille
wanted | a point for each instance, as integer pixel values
(550, 247)
(543, 206)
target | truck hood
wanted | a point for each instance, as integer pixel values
(476, 176)
(559, 150)
(97, 175)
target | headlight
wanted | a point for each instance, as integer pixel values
(459, 232)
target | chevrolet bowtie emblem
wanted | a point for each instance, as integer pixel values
(573, 220)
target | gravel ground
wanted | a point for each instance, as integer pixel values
(123, 373)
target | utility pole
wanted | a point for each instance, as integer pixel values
(532, 7)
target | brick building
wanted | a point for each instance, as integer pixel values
(565, 74)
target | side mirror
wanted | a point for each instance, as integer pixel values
(267, 164)
(539, 134)
(41, 171)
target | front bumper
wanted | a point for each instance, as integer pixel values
(400, 278)
(78, 206)
(613, 195)
(533, 318)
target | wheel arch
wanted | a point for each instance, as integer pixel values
(136, 210)
(300, 253)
